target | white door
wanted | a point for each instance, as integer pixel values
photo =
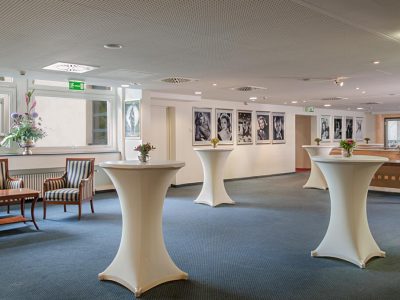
(159, 133)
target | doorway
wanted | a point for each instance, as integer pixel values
(303, 137)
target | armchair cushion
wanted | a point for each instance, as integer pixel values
(14, 183)
(76, 171)
(55, 183)
(68, 194)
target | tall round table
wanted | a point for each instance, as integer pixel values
(348, 236)
(316, 179)
(142, 261)
(213, 160)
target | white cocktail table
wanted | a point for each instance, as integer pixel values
(213, 160)
(316, 179)
(142, 261)
(348, 236)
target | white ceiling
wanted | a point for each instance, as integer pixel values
(234, 43)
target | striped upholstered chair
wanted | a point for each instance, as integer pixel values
(74, 187)
(7, 182)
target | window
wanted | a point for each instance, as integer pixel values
(392, 132)
(73, 122)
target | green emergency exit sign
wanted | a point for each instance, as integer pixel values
(76, 85)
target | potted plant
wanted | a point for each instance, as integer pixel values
(214, 142)
(317, 140)
(367, 139)
(144, 150)
(25, 128)
(347, 147)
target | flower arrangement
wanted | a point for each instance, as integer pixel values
(317, 140)
(348, 145)
(214, 142)
(25, 128)
(144, 150)
(367, 139)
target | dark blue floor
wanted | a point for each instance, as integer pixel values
(256, 249)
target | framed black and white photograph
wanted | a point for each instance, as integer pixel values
(244, 129)
(262, 127)
(325, 122)
(349, 127)
(224, 125)
(337, 128)
(202, 126)
(132, 119)
(278, 129)
(359, 132)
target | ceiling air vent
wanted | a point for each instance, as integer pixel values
(333, 98)
(249, 88)
(371, 103)
(176, 80)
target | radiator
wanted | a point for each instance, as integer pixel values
(35, 181)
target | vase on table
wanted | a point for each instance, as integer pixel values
(347, 152)
(144, 158)
(27, 147)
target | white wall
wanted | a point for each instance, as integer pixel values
(245, 160)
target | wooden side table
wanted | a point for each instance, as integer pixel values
(15, 196)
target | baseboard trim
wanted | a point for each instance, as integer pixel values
(232, 179)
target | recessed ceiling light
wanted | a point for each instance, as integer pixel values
(345, 98)
(363, 92)
(376, 62)
(214, 84)
(357, 88)
(327, 105)
(284, 102)
(135, 83)
(253, 98)
(360, 108)
(112, 46)
(71, 68)
(294, 102)
(304, 101)
(125, 85)
(197, 93)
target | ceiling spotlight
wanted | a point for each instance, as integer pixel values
(327, 105)
(294, 102)
(284, 102)
(124, 85)
(253, 98)
(112, 46)
(363, 92)
(357, 88)
(214, 84)
(339, 82)
(304, 101)
(376, 62)
(359, 108)
(197, 93)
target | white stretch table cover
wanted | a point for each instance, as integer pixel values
(348, 236)
(142, 260)
(213, 160)
(316, 179)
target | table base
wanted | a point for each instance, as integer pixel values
(361, 262)
(316, 179)
(213, 200)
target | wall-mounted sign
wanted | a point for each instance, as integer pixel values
(76, 85)
(309, 108)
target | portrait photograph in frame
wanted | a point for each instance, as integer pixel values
(262, 126)
(202, 126)
(278, 128)
(324, 125)
(244, 127)
(224, 125)
(349, 128)
(132, 119)
(359, 129)
(337, 128)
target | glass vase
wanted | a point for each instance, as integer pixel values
(144, 158)
(347, 153)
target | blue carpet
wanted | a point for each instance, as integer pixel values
(256, 249)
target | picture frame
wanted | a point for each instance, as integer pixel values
(278, 128)
(324, 128)
(224, 125)
(244, 130)
(337, 128)
(201, 126)
(262, 127)
(132, 116)
(349, 128)
(359, 129)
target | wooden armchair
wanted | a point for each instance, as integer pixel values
(7, 182)
(74, 187)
